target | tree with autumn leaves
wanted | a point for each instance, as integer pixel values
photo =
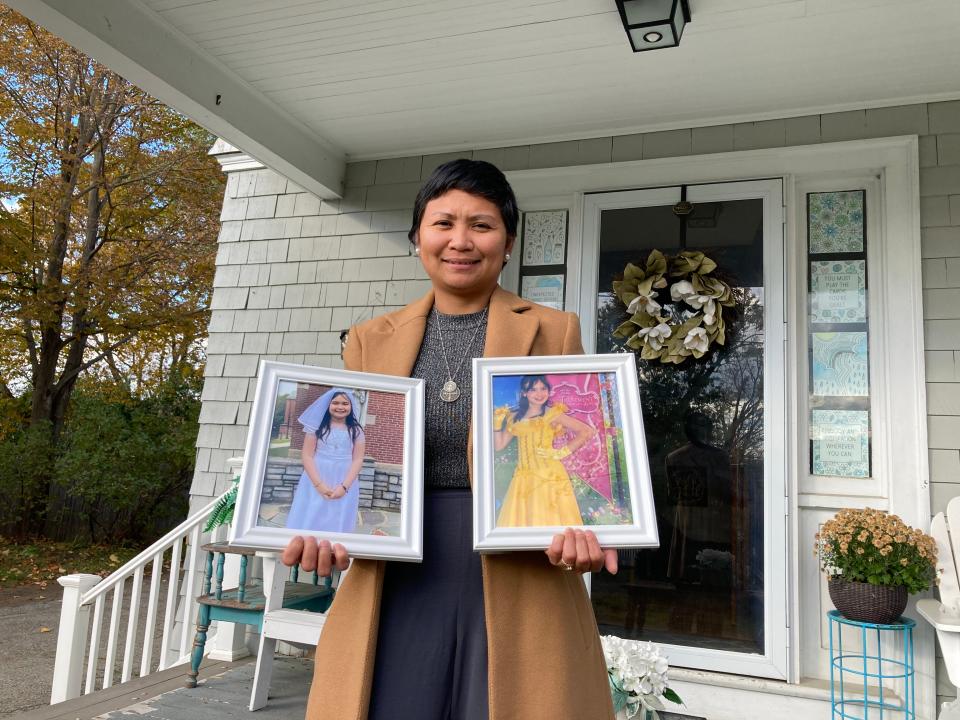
(108, 226)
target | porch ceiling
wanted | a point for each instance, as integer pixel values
(307, 83)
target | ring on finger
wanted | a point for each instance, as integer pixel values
(565, 565)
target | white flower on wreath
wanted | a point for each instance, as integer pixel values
(646, 302)
(684, 291)
(656, 335)
(696, 340)
(681, 290)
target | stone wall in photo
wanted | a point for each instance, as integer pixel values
(379, 483)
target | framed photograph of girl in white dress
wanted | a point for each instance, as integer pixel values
(335, 454)
(559, 442)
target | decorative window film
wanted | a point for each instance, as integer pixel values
(840, 364)
(838, 343)
(544, 289)
(838, 291)
(836, 222)
(543, 255)
(544, 238)
(841, 444)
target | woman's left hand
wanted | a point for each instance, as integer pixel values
(338, 492)
(580, 550)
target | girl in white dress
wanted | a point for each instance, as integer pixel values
(328, 494)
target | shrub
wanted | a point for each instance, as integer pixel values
(124, 464)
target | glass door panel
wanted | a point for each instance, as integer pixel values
(705, 589)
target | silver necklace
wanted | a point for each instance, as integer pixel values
(451, 391)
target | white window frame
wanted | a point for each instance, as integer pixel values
(895, 286)
(772, 662)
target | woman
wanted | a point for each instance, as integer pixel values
(502, 637)
(328, 495)
(540, 491)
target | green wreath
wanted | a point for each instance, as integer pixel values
(689, 318)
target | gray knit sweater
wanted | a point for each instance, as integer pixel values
(447, 424)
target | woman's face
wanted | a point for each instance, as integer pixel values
(462, 241)
(537, 394)
(340, 407)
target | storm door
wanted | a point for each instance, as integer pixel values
(714, 593)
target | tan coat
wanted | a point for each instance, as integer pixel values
(545, 661)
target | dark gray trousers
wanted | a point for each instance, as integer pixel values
(432, 643)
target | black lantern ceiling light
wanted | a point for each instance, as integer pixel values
(652, 24)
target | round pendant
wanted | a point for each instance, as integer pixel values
(450, 391)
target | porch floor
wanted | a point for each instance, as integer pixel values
(223, 692)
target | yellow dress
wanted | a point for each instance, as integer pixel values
(540, 492)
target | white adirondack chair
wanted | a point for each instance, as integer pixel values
(297, 627)
(944, 614)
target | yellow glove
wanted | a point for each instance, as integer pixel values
(501, 415)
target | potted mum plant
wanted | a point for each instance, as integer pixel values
(874, 561)
(638, 678)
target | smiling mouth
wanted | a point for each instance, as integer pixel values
(463, 262)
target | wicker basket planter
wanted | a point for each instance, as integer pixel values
(864, 602)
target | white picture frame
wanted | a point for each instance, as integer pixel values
(597, 391)
(387, 523)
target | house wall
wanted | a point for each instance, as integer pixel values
(293, 271)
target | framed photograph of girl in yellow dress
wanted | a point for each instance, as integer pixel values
(558, 442)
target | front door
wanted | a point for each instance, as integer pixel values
(714, 593)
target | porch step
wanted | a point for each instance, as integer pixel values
(88, 707)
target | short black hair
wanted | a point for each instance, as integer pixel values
(476, 177)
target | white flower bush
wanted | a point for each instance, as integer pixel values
(638, 676)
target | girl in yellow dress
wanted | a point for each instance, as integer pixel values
(540, 492)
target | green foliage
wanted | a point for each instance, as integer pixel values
(129, 461)
(672, 696)
(121, 470)
(223, 511)
(26, 458)
(279, 411)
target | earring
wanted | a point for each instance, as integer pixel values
(506, 257)
(416, 250)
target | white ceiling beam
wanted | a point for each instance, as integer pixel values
(139, 45)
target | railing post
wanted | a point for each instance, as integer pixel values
(229, 639)
(72, 637)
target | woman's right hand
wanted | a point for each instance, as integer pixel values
(311, 555)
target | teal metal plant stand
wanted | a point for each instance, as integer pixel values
(244, 604)
(867, 668)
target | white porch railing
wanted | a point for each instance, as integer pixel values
(78, 641)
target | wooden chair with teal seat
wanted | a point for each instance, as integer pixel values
(245, 603)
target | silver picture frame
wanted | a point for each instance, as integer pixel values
(601, 394)
(388, 524)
